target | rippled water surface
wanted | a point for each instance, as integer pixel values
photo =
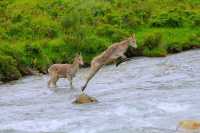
(144, 95)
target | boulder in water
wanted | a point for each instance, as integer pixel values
(83, 98)
(192, 125)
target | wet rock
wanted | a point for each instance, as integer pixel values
(83, 98)
(189, 126)
(33, 72)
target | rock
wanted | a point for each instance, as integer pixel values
(189, 125)
(33, 72)
(83, 98)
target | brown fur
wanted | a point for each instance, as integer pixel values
(110, 54)
(68, 71)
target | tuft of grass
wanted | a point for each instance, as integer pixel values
(157, 52)
(153, 45)
(8, 68)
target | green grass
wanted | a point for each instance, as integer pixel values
(35, 34)
(170, 34)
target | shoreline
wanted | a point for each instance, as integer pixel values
(37, 73)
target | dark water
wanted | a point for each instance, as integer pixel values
(144, 95)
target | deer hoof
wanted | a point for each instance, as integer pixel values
(83, 88)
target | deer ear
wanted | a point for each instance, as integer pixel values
(77, 54)
(133, 35)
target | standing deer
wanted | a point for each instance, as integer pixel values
(115, 51)
(68, 71)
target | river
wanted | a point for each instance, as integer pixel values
(143, 95)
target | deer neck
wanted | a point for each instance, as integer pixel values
(75, 66)
(125, 43)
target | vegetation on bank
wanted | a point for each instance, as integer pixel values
(35, 34)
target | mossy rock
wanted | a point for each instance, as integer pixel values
(83, 99)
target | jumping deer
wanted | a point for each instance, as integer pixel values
(68, 71)
(115, 51)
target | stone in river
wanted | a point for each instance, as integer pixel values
(83, 98)
(189, 125)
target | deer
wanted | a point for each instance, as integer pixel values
(112, 53)
(68, 71)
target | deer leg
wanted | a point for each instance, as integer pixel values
(121, 59)
(123, 56)
(50, 80)
(71, 84)
(54, 80)
(49, 83)
(93, 70)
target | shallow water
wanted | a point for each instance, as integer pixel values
(144, 95)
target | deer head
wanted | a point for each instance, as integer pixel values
(79, 59)
(132, 41)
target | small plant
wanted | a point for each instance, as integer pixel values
(131, 20)
(115, 34)
(36, 58)
(153, 40)
(167, 20)
(44, 27)
(194, 41)
(8, 69)
(195, 20)
(157, 52)
(153, 45)
(32, 49)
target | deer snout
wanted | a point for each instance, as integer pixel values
(135, 46)
(81, 63)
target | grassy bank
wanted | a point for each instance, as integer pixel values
(35, 34)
